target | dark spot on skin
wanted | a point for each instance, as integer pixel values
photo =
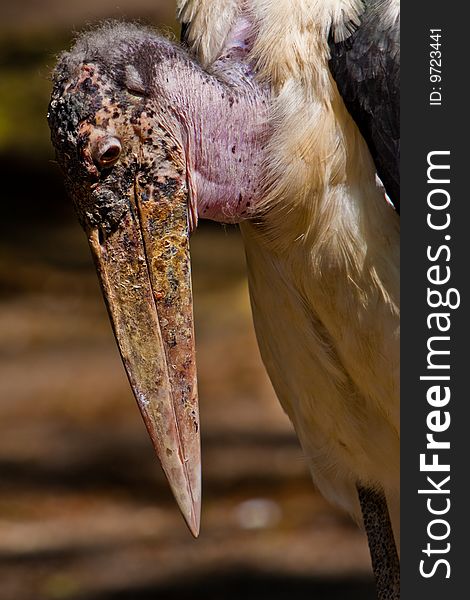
(230, 101)
(150, 131)
(240, 198)
(166, 188)
(171, 340)
(233, 149)
(115, 114)
(89, 87)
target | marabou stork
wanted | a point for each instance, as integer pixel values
(277, 115)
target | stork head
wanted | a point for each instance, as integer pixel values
(123, 159)
(147, 140)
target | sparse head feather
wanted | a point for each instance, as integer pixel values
(122, 50)
(108, 43)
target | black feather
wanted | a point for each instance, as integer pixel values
(184, 33)
(366, 68)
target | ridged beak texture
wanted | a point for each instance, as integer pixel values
(144, 269)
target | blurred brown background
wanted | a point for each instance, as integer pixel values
(85, 512)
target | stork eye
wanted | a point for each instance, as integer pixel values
(107, 153)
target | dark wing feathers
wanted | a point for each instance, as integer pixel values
(366, 68)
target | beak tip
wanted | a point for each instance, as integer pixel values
(187, 493)
(192, 517)
(194, 528)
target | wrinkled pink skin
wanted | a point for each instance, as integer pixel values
(225, 156)
(224, 129)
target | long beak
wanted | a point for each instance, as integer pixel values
(144, 268)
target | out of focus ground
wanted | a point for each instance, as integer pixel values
(85, 513)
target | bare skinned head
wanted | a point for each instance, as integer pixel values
(118, 147)
(147, 140)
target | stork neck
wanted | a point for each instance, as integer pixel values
(223, 128)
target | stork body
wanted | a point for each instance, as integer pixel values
(260, 137)
(323, 260)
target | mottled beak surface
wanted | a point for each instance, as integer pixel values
(144, 269)
(127, 176)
